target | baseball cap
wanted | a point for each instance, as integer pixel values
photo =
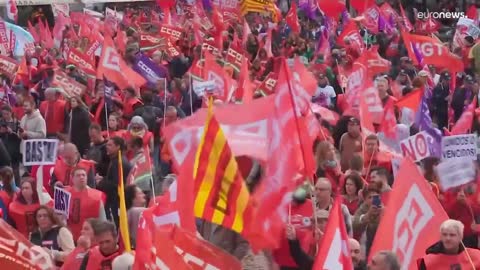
(423, 73)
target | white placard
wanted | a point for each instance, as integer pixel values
(455, 172)
(417, 146)
(201, 87)
(62, 201)
(460, 147)
(39, 152)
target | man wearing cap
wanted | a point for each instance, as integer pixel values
(53, 111)
(439, 108)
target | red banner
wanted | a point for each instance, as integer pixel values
(268, 85)
(235, 56)
(5, 45)
(69, 85)
(80, 60)
(8, 66)
(170, 32)
(18, 253)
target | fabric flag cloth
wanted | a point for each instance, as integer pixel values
(413, 210)
(334, 252)
(125, 235)
(18, 253)
(115, 69)
(221, 194)
(292, 19)
(149, 70)
(109, 89)
(424, 123)
(464, 124)
(12, 10)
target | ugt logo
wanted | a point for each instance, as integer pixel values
(111, 59)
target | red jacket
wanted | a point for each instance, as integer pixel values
(464, 212)
(54, 114)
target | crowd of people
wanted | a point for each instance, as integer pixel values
(118, 127)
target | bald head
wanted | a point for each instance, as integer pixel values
(70, 154)
(323, 183)
(323, 192)
(171, 113)
(355, 251)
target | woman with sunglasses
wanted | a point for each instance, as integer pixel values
(138, 128)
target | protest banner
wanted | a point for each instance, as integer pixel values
(460, 147)
(40, 152)
(201, 87)
(68, 84)
(416, 146)
(62, 201)
(455, 172)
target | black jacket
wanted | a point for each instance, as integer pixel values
(98, 153)
(302, 259)
(109, 184)
(76, 124)
(5, 159)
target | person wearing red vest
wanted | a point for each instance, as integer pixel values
(85, 202)
(85, 242)
(114, 127)
(102, 256)
(301, 213)
(130, 103)
(53, 111)
(21, 210)
(138, 128)
(70, 159)
(449, 252)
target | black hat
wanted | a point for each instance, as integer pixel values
(445, 75)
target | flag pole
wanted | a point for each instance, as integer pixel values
(123, 222)
(302, 147)
(190, 92)
(106, 116)
(164, 102)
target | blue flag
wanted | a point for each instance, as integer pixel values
(108, 92)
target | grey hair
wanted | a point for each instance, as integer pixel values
(391, 260)
(453, 224)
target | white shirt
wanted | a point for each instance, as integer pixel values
(324, 95)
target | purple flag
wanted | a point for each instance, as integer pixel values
(381, 23)
(424, 123)
(149, 69)
(109, 88)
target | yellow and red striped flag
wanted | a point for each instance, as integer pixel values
(222, 196)
(260, 6)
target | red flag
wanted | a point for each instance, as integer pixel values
(246, 32)
(213, 71)
(464, 124)
(18, 253)
(370, 18)
(389, 122)
(332, 8)
(433, 52)
(334, 252)
(245, 86)
(166, 4)
(375, 63)
(33, 31)
(173, 207)
(361, 5)
(411, 100)
(351, 32)
(274, 193)
(406, 224)
(114, 68)
(406, 22)
(292, 19)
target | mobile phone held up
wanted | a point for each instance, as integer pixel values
(376, 201)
